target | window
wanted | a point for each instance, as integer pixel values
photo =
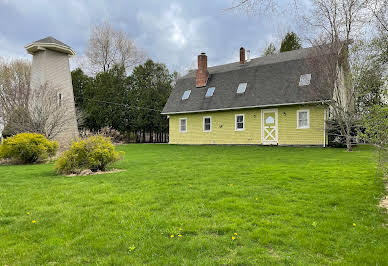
(303, 119)
(60, 99)
(304, 80)
(186, 95)
(241, 88)
(183, 125)
(239, 122)
(207, 124)
(210, 92)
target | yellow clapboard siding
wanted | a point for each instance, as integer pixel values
(223, 127)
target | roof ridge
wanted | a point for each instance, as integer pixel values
(261, 60)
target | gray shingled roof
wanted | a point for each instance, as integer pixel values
(272, 80)
(50, 39)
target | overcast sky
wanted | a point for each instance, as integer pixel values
(171, 32)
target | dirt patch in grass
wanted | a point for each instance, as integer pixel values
(384, 201)
(89, 172)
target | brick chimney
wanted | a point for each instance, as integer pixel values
(202, 74)
(242, 55)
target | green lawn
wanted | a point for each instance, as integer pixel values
(287, 206)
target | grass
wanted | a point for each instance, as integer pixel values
(287, 206)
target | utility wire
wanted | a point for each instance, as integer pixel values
(123, 104)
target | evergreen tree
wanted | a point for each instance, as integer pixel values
(290, 42)
(152, 84)
(270, 50)
(80, 83)
(106, 101)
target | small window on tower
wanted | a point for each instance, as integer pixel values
(60, 99)
(305, 80)
(241, 88)
(186, 95)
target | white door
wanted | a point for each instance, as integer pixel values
(269, 126)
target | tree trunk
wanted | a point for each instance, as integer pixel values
(144, 136)
(348, 139)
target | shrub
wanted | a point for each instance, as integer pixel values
(109, 132)
(94, 153)
(335, 137)
(28, 148)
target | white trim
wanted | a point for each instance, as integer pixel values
(49, 45)
(203, 124)
(264, 142)
(214, 89)
(324, 127)
(242, 84)
(235, 122)
(188, 96)
(308, 118)
(180, 128)
(245, 107)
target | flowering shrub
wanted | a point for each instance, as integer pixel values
(94, 153)
(28, 148)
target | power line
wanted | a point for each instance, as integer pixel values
(125, 105)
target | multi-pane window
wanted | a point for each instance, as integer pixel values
(183, 125)
(186, 95)
(210, 92)
(239, 122)
(207, 124)
(241, 88)
(303, 117)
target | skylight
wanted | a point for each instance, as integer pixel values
(304, 79)
(241, 88)
(186, 95)
(210, 92)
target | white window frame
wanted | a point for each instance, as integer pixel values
(180, 123)
(308, 118)
(245, 84)
(235, 122)
(188, 96)
(204, 130)
(214, 88)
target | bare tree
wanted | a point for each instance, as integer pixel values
(47, 113)
(379, 10)
(332, 26)
(339, 23)
(108, 47)
(376, 10)
(14, 85)
(43, 110)
(255, 6)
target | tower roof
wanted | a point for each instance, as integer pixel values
(49, 43)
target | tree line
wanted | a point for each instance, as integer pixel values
(128, 103)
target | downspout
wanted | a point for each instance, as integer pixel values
(324, 127)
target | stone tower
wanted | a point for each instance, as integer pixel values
(50, 72)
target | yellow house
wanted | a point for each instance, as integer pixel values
(274, 100)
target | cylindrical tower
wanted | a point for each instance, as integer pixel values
(51, 88)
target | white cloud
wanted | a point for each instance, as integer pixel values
(175, 35)
(170, 32)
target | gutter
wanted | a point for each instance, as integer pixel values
(244, 107)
